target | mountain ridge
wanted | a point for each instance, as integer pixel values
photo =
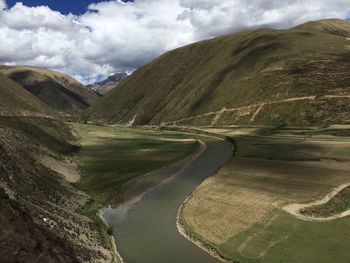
(238, 70)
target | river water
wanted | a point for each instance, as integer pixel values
(146, 232)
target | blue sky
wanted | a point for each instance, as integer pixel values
(76, 7)
(121, 36)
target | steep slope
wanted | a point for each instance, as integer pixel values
(41, 214)
(297, 76)
(57, 90)
(103, 87)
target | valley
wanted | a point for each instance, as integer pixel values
(238, 215)
(231, 149)
(118, 163)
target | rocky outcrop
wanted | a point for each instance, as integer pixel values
(108, 84)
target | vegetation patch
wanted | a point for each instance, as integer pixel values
(338, 204)
(111, 157)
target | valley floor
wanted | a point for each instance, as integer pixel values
(239, 212)
(120, 164)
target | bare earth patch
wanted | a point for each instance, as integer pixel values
(69, 170)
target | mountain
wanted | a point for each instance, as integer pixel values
(15, 100)
(296, 76)
(106, 85)
(41, 213)
(336, 27)
(57, 90)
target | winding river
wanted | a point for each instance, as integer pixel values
(146, 232)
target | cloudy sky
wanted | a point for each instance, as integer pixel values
(92, 39)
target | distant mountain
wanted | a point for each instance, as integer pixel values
(298, 76)
(57, 90)
(106, 85)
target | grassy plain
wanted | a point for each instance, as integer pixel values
(238, 211)
(113, 156)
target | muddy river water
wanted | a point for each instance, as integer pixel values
(146, 232)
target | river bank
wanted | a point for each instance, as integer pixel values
(173, 168)
(142, 185)
(117, 257)
(146, 231)
(207, 248)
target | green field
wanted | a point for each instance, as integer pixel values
(288, 239)
(239, 211)
(110, 157)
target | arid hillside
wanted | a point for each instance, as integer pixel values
(43, 217)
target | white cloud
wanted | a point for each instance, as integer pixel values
(2, 4)
(116, 36)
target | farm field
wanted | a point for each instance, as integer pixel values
(239, 212)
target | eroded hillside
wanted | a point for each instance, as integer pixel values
(43, 217)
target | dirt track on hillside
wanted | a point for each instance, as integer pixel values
(259, 107)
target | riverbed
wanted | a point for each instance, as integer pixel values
(146, 232)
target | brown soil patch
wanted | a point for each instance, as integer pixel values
(68, 170)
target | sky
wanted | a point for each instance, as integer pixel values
(90, 39)
(77, 7)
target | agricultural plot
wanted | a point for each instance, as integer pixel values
(239, 212)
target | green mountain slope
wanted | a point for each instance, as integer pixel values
(57, 90)
(297, 76)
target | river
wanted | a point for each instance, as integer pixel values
(146, 232)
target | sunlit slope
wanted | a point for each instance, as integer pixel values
(57, 90)
(297, 76)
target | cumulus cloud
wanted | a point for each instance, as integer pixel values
(115, 36)
(212, 17)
